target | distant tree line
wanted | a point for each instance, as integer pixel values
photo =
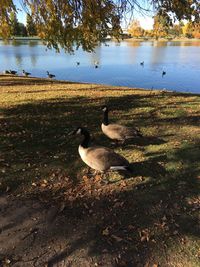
(70, 24)
(19, 29)
(162, 28)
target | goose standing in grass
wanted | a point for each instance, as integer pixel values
(26, 73)
(99, 158)
(50, 75)
(14, 72)
(117, 132)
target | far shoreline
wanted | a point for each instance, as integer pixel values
(141, 39)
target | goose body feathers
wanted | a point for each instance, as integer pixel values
(120, 132)
(102, 158)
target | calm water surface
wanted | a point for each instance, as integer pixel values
(119, 63)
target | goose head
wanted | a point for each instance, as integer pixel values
(84, 132)
(79, 131)
(104, 108)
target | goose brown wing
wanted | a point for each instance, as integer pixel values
(104, 158)
(120, 132)
(130, 132)
(114, 131)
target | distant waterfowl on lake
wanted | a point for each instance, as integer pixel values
(77, 63)
(117, 132)
(14, 72)
(50, 75)
(96, 66)
(26, 73)
(6, 72)
(142, 63)
(163, 73)
(99, 158)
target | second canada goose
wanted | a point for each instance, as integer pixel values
(99, 158)
(116, 131)
(50, 75)
(26, 73)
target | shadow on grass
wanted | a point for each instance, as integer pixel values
(34, 137)
(129, 224)
(142, 224)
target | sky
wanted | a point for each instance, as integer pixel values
(146, 22)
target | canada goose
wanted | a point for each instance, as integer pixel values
(26, 73)
(116, 131)
(51, 75)
(13, 72)
(163, 73)
(99, 158)
(142, 63)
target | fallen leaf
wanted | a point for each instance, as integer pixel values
(131, 227)
(117, 238)
(105, 232)
(97, 178)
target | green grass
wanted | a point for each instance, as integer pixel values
(35, 118)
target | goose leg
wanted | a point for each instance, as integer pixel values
(121, 142)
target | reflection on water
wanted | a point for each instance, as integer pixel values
(18, 42)
(160, 43)
(119, 63)
(18, 59)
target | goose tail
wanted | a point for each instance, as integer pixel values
(121, 168)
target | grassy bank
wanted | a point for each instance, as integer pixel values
(147, 219)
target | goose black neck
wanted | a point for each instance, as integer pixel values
(86, 140)
(105, 118)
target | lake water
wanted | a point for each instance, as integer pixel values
(119, 63)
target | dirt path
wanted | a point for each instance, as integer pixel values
(33, 234)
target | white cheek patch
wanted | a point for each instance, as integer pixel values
(78, 131)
